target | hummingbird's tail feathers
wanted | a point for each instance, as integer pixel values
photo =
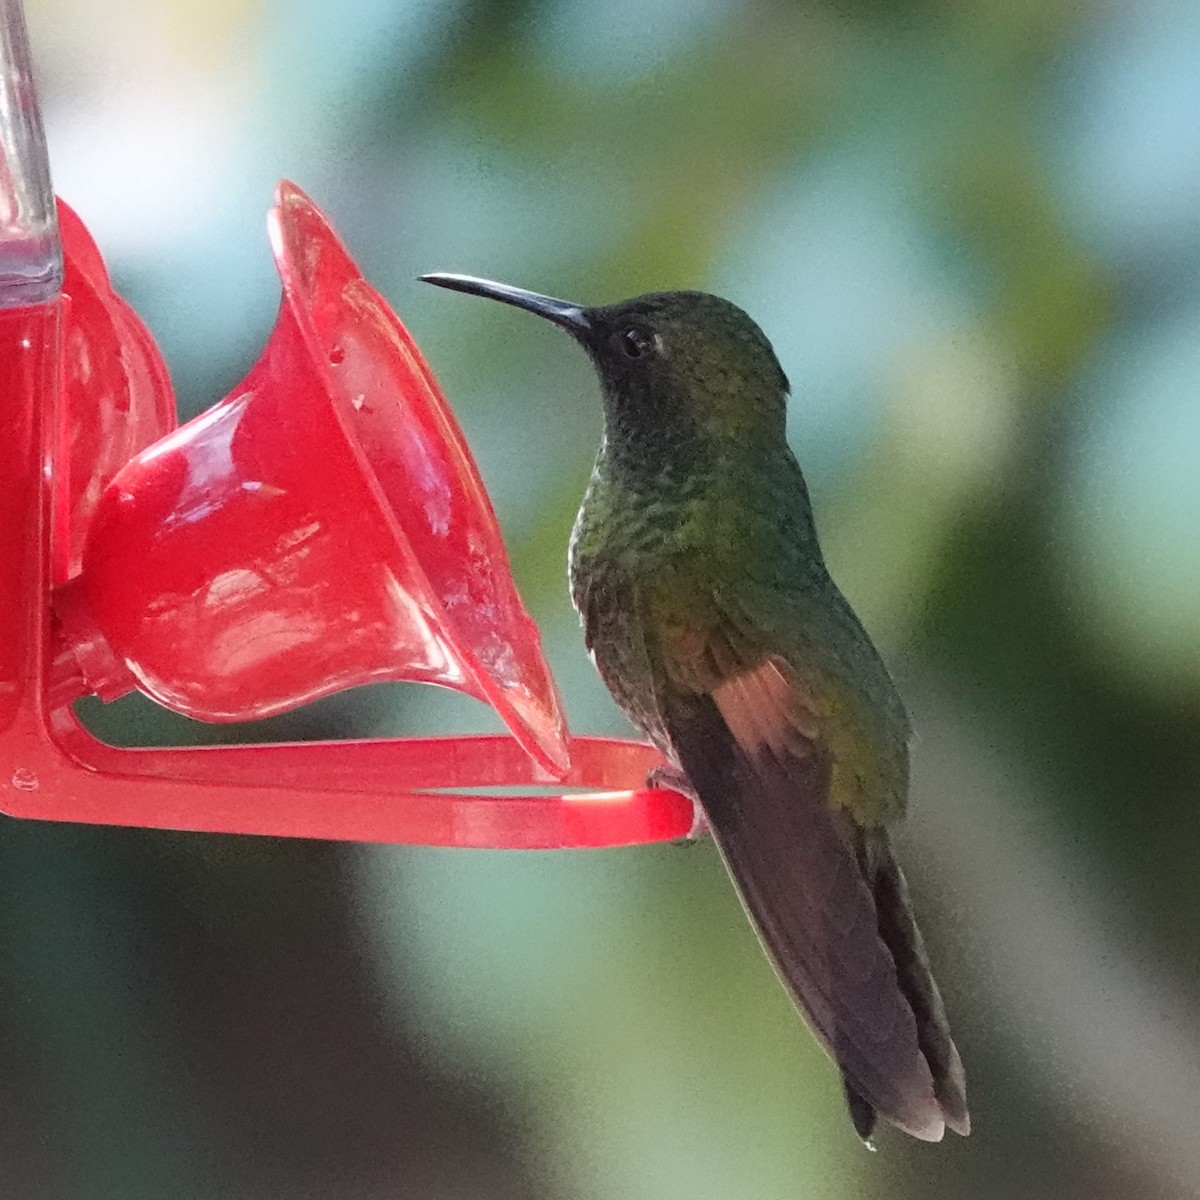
(798, 876)
(862, 1112)
(900, 933)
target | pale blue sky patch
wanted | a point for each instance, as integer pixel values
(1126, 130)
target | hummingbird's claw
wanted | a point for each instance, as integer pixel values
(675, 780)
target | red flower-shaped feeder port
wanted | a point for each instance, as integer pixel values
(322, 526)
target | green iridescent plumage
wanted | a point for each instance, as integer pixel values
(711, 616)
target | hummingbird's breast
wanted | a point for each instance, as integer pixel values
(626, 535)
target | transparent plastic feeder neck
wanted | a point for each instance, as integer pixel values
(30, 254)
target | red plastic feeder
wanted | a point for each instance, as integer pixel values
(322, 526)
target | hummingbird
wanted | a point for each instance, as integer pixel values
(714, 622)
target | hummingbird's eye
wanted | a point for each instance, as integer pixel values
(635, 342)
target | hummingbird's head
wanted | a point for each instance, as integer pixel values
(676, 367)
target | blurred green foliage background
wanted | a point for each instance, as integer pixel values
(972, 230)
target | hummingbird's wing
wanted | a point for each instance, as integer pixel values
(747, 733)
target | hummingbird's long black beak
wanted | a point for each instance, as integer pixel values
(571, 317)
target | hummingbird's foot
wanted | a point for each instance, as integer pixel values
(675, 780)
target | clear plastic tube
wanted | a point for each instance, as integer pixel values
(30, 250)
